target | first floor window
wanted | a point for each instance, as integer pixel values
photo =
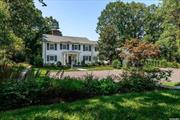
(51, 57)
(86, 58)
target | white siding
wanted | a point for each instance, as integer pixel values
(60, 56)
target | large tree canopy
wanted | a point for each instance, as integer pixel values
(170, 38)
(107, 47)
(9, 42)
(21, 20)
(128, 18)
(156, 24)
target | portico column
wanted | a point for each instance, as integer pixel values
(64, 59)
(67, 58)
(78, 58)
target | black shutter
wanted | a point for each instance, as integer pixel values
(83, 47)
(60, 46)
(72, 46)
(55, 46)
(89, 58)
(47, 57)
(47, 46)
(55, 57)
(79, 47)
(84, 58)
(67, 46)
(89, 47)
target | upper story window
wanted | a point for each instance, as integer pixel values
(86, 47)
(51, 46)
(76, 47)
(64, 46)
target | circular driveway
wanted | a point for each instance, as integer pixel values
(175, 77)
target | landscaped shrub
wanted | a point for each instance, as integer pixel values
(59, 64)
(38, 61)
(104, 86)
(116, 64)
(18, 93)
(136, 82)
(148, 68)
(162, 63)
(71, 88)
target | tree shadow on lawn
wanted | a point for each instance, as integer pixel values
(149, 105)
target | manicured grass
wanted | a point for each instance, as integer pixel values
(140, 106)
(171, 83)
(45, 69)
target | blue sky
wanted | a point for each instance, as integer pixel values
(79, 17)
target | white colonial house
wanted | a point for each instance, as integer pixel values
(68, 50)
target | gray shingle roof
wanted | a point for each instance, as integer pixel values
(70, 39)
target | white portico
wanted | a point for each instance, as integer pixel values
(71, 58)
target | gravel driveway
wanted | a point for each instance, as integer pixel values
(175, 77)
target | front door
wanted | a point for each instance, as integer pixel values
(70, 60)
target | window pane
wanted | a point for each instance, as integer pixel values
(51, 46)
(51, 58)
(64, 46)
(87, 58)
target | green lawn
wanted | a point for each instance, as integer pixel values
(171, 83)
(140, 106)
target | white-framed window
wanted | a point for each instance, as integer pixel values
(86, 58)
(51, 46)
(86, 47)
(64, 46)
(51, 57)
(76, 47)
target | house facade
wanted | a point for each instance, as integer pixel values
(68, 50)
